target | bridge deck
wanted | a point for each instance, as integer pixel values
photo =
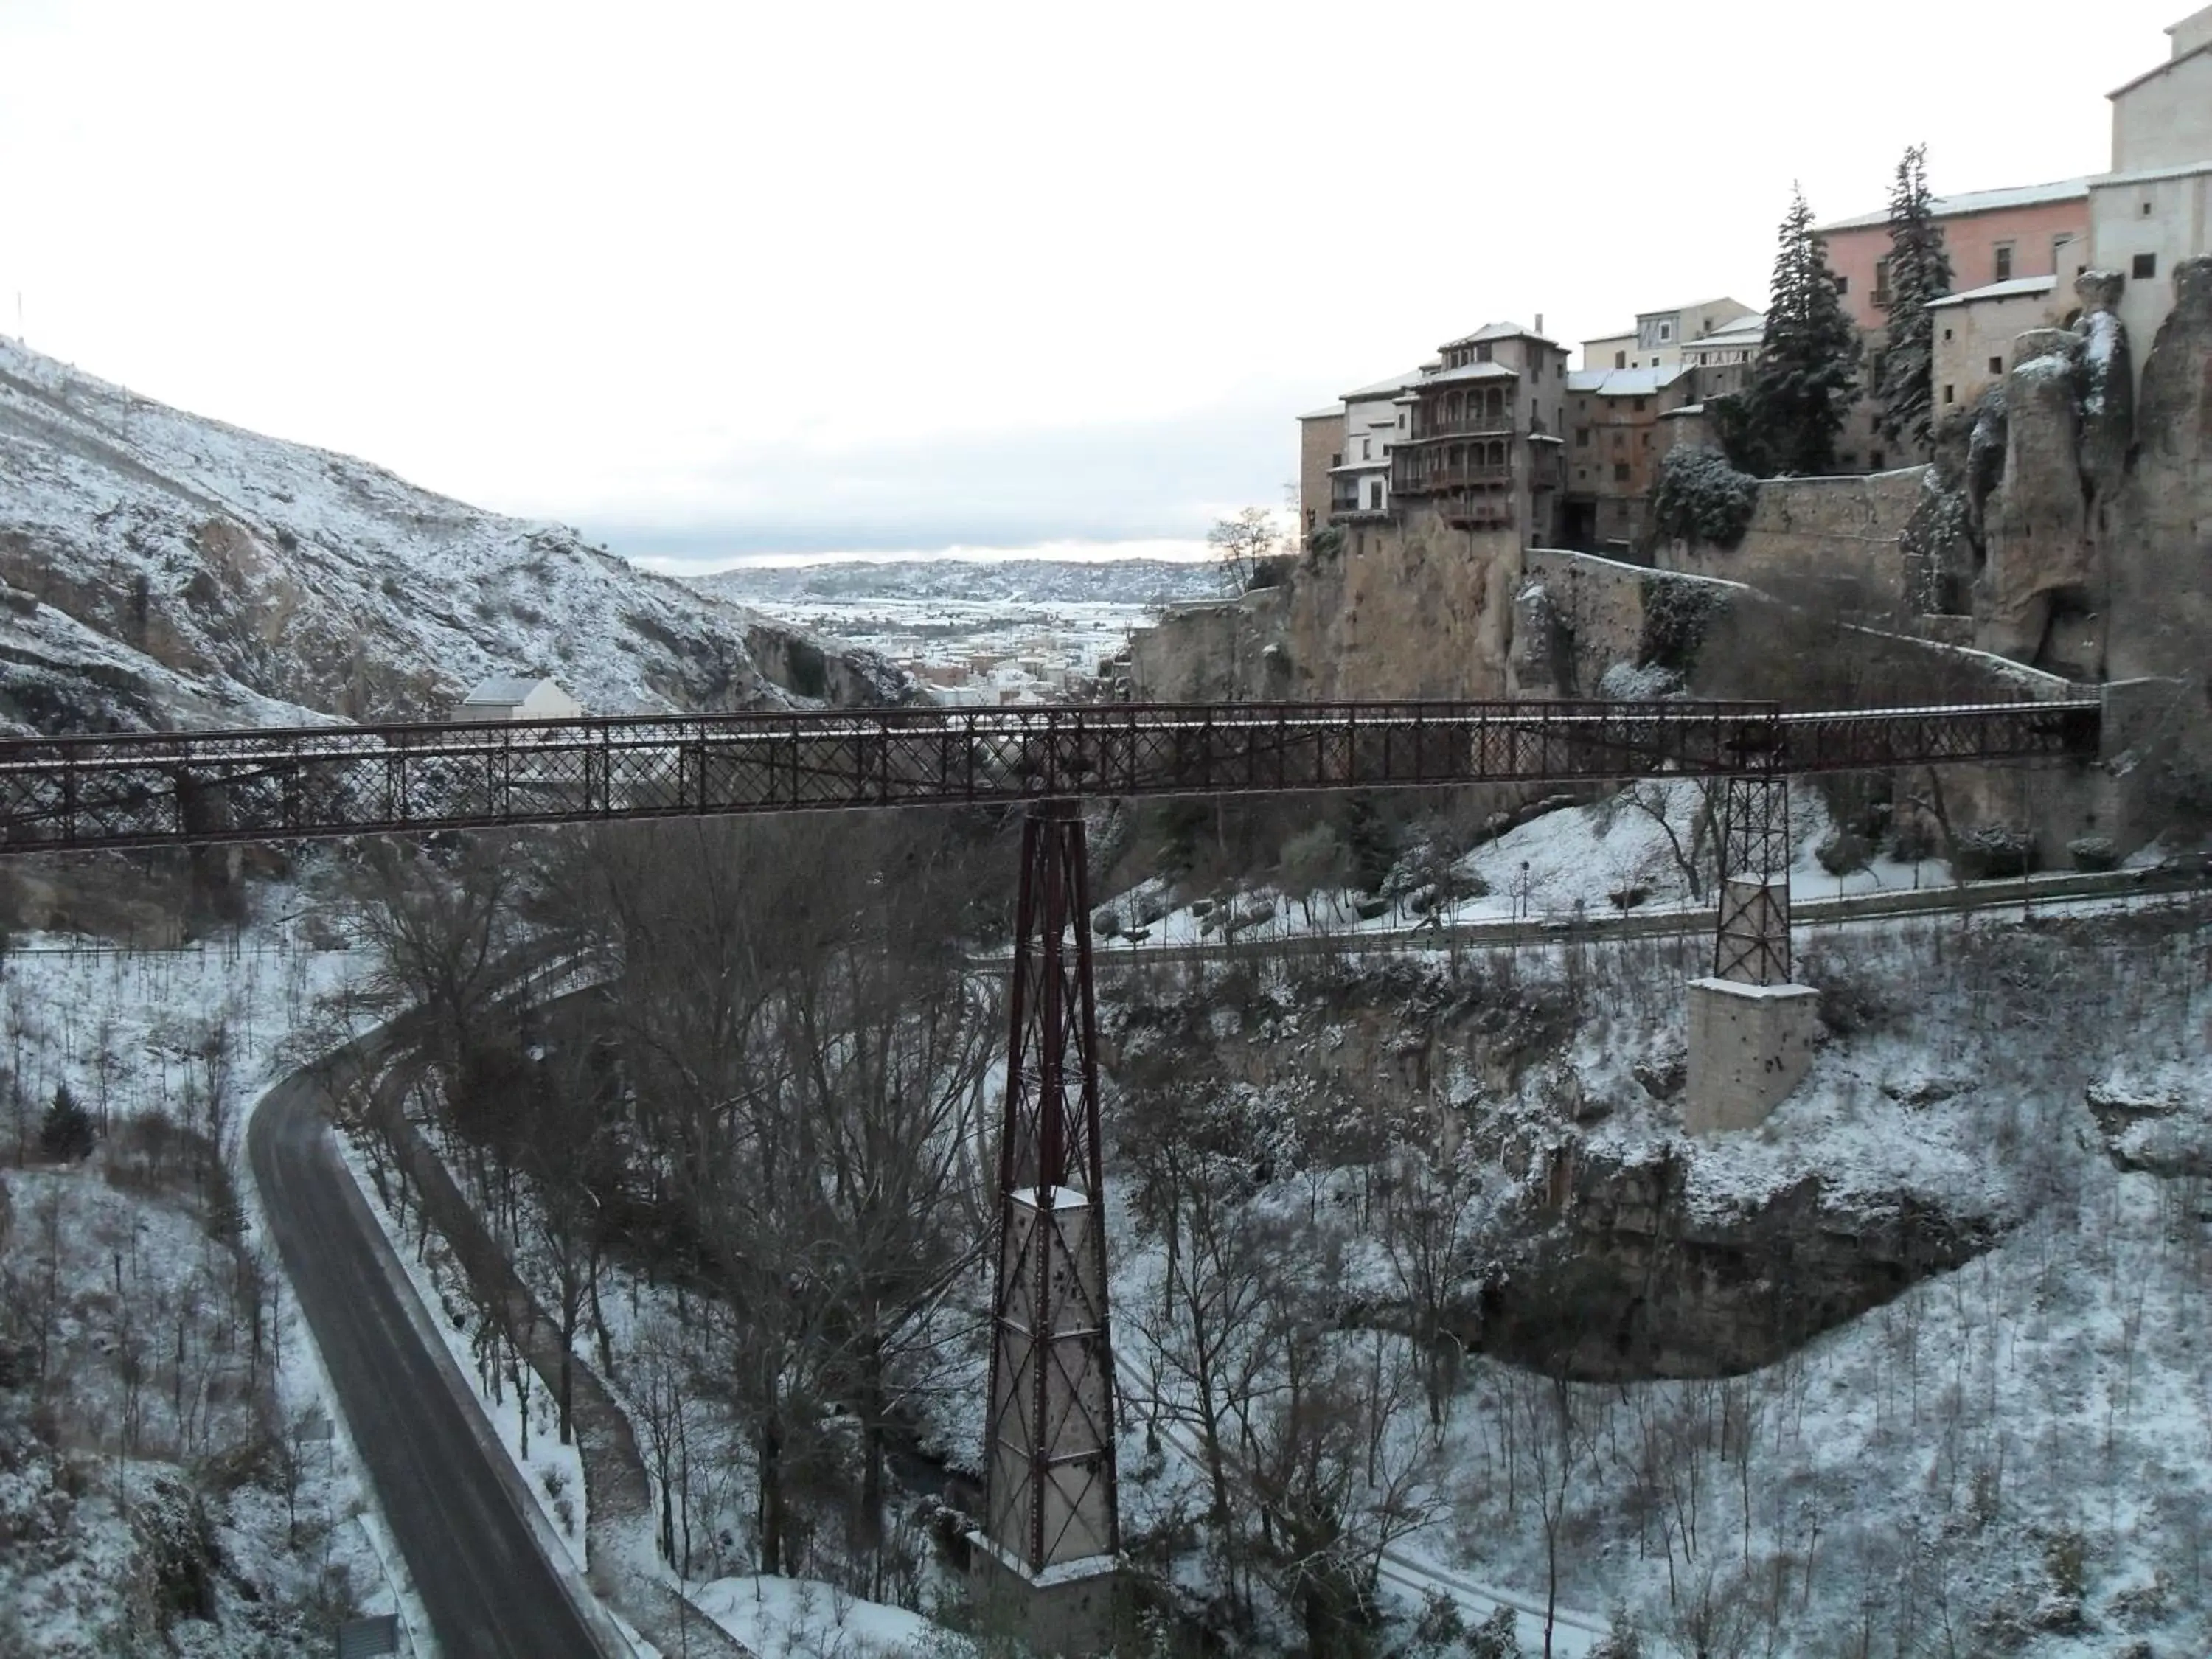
(149, 789)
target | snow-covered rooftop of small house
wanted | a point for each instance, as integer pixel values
(1623, 382)
(1979, 201)
(1472, 372)
(1329, 414)
(1686, 410)
(1689, 310)
(1743, 330)
(503, 692)
(1499, 331)
(2018, 288)
(1389, 388)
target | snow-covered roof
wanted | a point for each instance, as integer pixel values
(1334, 411)
(503, 692)
(1979, 201)
(1744, 330)
(2151, 175)
(1687, 409)
(1623, 382)
(2018, 288)
(1691, 309)
(1499, 331)
(1389, 388)
(1472, 372)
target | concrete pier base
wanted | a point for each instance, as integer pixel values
(1072, 1610)
(1750, 1045)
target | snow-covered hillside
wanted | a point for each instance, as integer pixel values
(161, 568)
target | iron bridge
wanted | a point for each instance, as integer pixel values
(172, 788)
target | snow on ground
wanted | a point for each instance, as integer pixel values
(1569, 863)
(806, 1619)
(165, 1406)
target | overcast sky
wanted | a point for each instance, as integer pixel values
(717, 278)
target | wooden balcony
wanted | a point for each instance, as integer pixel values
(1467, 426)
(1409, 478)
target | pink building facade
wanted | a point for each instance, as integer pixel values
(1993, 236)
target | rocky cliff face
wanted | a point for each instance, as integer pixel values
(162, 568)
(2161, 514)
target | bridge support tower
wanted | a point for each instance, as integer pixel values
(1045, 1557)
(1752, 1028)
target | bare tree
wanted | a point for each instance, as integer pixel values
(1244, 542)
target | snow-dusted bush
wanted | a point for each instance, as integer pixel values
(1990, 851)
(1677, 614)
(1843, 851)
(1699, 497)
(2093, 853)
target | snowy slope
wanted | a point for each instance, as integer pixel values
(186, 572)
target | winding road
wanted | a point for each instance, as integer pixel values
(452, 1499)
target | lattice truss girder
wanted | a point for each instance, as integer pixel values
(1751, 943)
(1051, 1485)
(166, 788)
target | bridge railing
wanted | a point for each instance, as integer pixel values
(142, 789)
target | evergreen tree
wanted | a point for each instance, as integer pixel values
(66, 1130)
(1802, 385)
(1919, 274)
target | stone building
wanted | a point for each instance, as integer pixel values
(1664, 339)
(1321, 450)
(1614, 421)
(1482, 446)
(2154, 209)
(1374, 422)
(1974, 332)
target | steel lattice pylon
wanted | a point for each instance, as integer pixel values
(1051, 1496)
(1751, 945)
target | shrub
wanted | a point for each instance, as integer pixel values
(1844, 851)
(1676, 616)
(2093, 853)
(1699, 497)
(1991, 851)
(1912, 838)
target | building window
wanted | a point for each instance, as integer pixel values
(1336, 460)
(1881, 282)
(1582, 437)
(2146, 267)
(1842, 286)
(1647, 441)
(2003, 266)
(1996, 365)
(1639, 405)
(1949, 395)
(1875, 460)
(1666, 332)
(1620, 359)
(1367, 449)
(1482, 353)
(1375, 497)
(1946, 334)
(1620, 472)
(2146, 209)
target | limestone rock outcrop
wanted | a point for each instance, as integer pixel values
(2041, 570)
(2161, 572)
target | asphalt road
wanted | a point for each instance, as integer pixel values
(483, 1581)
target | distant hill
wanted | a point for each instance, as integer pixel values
(1011, 582)
(158, 568)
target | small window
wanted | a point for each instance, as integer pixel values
(1946, 334)
(1582, 437)
(1666, 332)
(1336, 460)
(2146, 267)
(1620, 472)
(1620, 359)
(1950, 395)
(1639, 405)
(1996, 365)
(1647, 441)
(1482, 353)
(2146, 209)
(1367, 449)
(1881, 282)
(1842, 285)
(2003, 264)
(1876, 461)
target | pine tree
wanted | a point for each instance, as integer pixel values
(1802, 385)
(1919, 274)
(66, 1130)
